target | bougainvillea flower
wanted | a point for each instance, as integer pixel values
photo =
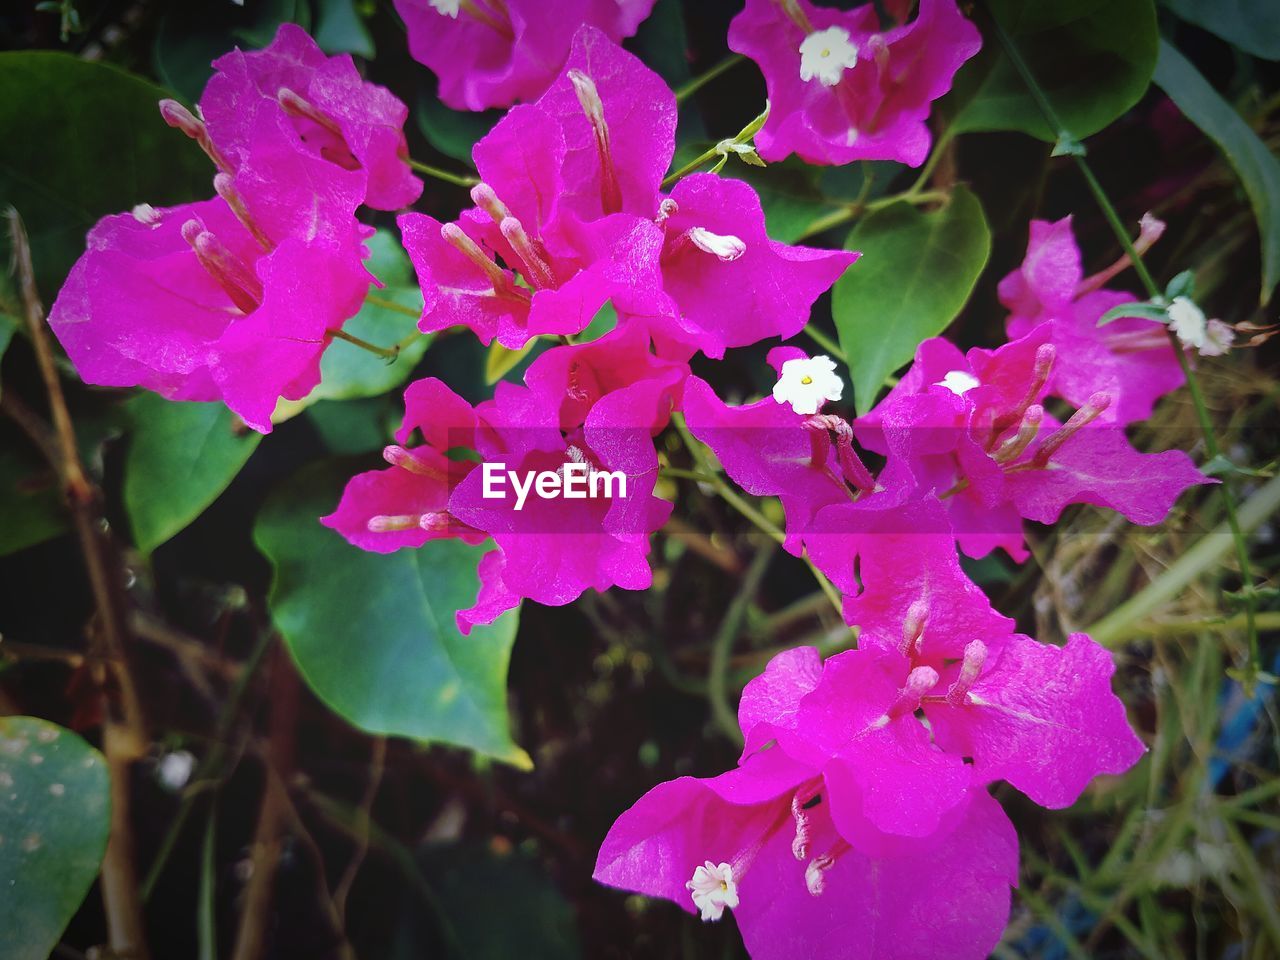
(840, 88)
(568, 204)
(851, 837)
(491, 53)
(197, 303)
(291, 96)
(768, 449)
(1131, 358)
(1041, 717)
(592, 408)
(972, 429)
(732, 284)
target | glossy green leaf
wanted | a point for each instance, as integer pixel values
(1251, 25)
(341, 29)
(82, 140)
(452, 132)
(1093, 58)
(54, 819)
(1255, 165)
(1145, 311)
(349, 372)
(915, 274)
(374, 634)
(181, 457)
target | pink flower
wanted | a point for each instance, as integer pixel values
(972, 429)
(491, 53)
(768, 449)
(568, 202)
(291, 97)
(206, 301)
(840, 88)
(732, 284)
(592, 408)
(1131, 359)
(851, 837)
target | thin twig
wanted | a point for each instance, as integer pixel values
(722, 644)
(364, 817)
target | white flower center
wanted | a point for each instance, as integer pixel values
(448, 8)
(959, 382)
(713, 889)
(1188, 322)
(808, 384)
(725, 246)
(826, 54)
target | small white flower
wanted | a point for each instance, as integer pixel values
(1187, 322)
(175, 769)
(725, 246)
(448, 8)
(713, 889)
(807, 384)
(1218, 337)
(959, 382)
(826, 54)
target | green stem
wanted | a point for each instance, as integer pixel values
(939, 148)
(377, 301)
(722, 644)
(698, 82)
(457, 179)
(387, 353)
(825, 342)
(691, 165)
(854, 210)
(1154, 292)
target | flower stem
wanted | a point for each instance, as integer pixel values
(825, 342)
(698, 82)
(722, 644)
(854, 210)
(1069, 144)
(374, 300)
(387, 353)
(457, 179)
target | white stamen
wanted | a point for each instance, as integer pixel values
(826, 54)
(713, 889)
(448, 8)
(725, 246)
(808, 383)
(145, 213)
(959, 382)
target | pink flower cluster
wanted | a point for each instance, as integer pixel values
(236, 297)
(858, 821)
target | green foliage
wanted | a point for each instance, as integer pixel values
(54, 818)
(82, 140)
(30, 505)
(537, 923)
(915, 274)
(452, 132)
(181, 457)
(1094, 59)
(8, 327)
(374, 634)
(1254, 163)
(341, 29)
(1251, 25)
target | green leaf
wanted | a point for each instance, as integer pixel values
(1145, 311)
(537, 922)
(790, 195)
(661, 43)
(54, 819)
(348, 372)
(30, 502)
(374, 634)
(1093, 58)
(1182, 285)
(452, 132)
(916, 271)
(82, 140)
(181, 457)
(605, 320)
(341, 29)
(502, 360)
(1257, 168)
(1251, 25)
